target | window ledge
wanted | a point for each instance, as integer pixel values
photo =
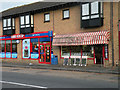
(46, 21)
(66, 18)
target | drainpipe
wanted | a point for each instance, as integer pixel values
(53, 21)
(111, 30)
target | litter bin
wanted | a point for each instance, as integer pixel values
(54, 60)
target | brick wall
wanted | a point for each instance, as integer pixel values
(1, 31)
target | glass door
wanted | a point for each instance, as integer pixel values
(42, 53)
(47, 54)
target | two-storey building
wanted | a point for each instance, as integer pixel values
(83, 33)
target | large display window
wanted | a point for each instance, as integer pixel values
(35, 48)
(14, 46)
(88, 51)
(75, 50)
(65, 51)
(3, 46)
(2, 51)
(8, 49)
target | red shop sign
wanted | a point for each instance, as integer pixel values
(18, 36)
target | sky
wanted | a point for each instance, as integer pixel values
(6, 4)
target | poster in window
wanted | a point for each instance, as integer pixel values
(106, 51)
(26, 48)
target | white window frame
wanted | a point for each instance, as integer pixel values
(85, 9)
(66, 13)
(26, 21)
(95, 7)
(46, 17)
(7, 24)
(94, 10)
(22, 20)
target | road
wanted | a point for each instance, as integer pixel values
(43, 78)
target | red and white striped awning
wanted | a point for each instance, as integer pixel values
(89, 38)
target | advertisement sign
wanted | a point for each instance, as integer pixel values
(106, 51)
(26, 48)
(17, 36)
(8, 55)
(34, 55)
(2, 55)
(14, 55)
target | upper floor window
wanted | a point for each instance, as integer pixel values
(8, 24)
(91, 14)
(66, 14)
(26, 21)
(46, 17)
(91, 10)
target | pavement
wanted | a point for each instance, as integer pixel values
(92, 69)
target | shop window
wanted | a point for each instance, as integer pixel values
(14, 46)
(9, 50)
(66, 14)
(92, 14)
(88, 51)
(8, 45)
(3, 45)
(75, 51)
(34, 46)
(65, 51)
(0, 47)
(46, 17)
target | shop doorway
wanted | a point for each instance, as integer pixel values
(119, 45)
(44, 53)
(98, 54)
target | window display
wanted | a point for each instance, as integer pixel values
(87, 51)
(14, 46)
(75, 50)
(66, 51)
(47, 53)
(3, 45)
(9, 50)
(8, 45)
(26, 48)
(35, 48)
(106, 51)
(0, 47)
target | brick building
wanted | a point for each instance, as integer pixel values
(79, 32)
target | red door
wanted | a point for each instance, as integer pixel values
(45, 53)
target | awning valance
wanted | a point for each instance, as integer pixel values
(89, 38)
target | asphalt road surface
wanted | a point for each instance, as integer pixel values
(43, 78)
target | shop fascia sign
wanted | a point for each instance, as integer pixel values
(18, 36)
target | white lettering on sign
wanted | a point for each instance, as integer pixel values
(17, 36)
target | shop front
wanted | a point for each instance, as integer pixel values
(34, 46)
(83, 48)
